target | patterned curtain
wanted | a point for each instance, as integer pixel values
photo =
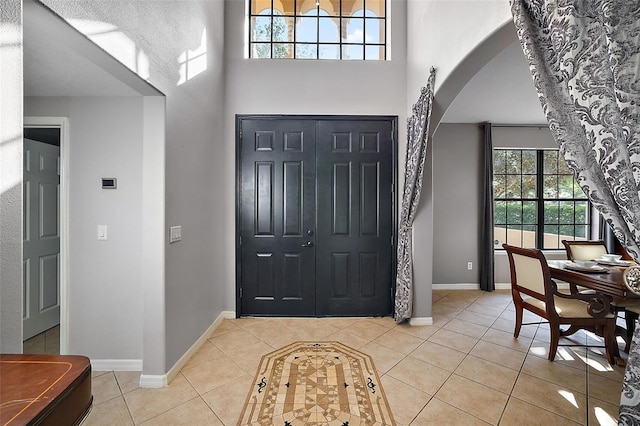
(585, 60)
(417, 135)
(629, 412)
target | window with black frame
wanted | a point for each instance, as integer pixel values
(318, 29)
(537, 201)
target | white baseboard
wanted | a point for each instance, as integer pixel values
(151, 381)
(159, 381)
(116, 365)
(421, 321)
(498, 286)
(507, 286)
(457, 286)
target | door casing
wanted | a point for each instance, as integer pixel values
(394, 198)
(61, 123)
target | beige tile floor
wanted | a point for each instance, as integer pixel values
(47, 342)
(466, 369)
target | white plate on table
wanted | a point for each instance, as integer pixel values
(615, 262)
(594, 269)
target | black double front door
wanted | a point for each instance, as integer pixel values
(316, 215)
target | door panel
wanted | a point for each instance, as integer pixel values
(41, 234)
(355, 217)
(316, 216)
(278, 195)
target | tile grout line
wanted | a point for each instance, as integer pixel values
(451, 373)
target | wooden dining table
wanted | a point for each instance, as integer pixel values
(608, 282)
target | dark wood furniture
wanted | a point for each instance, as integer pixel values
(44, 389)
(609, 283)
(533, 289)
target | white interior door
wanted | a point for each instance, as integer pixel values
(41, 234)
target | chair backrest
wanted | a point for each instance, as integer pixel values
(530, 273)
(584, 250)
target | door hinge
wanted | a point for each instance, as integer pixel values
(240, 292)
(392, 241)
(240, 133)
(239, 241)
(393, 188)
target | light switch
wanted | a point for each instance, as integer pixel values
(175, 234)
(102, 232)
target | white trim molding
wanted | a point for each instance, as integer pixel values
(421, 321)
(151, 381)
(160, 381)
(62, 123)
(499, 286)
(116, 365)
(456, 286)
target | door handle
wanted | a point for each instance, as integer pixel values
(308, 244)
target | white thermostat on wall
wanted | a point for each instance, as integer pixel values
(109, 183)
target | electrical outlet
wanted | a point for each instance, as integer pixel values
(469, 265)
(175, 234)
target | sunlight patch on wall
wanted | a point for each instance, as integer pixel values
(10, 37)
(117, 43)
(11, 90)
(193, 62)
(11, 156)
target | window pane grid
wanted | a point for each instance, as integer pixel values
(537, 202)
(326, 31)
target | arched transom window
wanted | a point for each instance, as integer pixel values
(318, 29)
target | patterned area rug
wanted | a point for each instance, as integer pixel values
(316, 383)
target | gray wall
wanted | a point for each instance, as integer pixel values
(457, 190)
(104, 277)
(197, 280)
(10, 176)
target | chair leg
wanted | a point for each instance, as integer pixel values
(555, 338)
(571, 330)
(630, 318)
(611, 344)
(519, 309)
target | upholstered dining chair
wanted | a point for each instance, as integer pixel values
(584, 250)
(533, 289)
(593, 249)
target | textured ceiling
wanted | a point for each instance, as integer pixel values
(59, 61)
